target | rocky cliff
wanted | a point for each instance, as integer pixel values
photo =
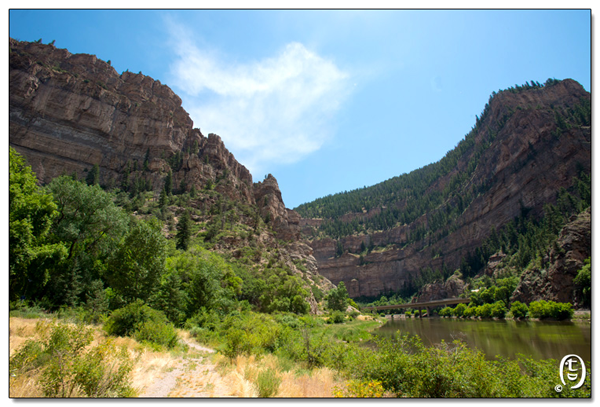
(553, 281)
(70, 112)
(522, 153)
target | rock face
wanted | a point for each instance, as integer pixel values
(69, 112)
(555, 280)
(451, 288)
(285, 222)
(525, 160)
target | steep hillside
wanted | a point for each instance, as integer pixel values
(529, 143)
(73, 114)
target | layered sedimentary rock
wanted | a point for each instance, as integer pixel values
(522, 167)
(69, 112)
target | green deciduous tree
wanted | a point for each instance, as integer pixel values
(135, 268)
(337, 299)
(31, 211)
(90, 226)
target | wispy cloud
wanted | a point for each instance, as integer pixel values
(272, 111)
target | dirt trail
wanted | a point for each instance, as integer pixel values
(190, 377)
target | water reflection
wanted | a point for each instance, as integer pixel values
(536, 339)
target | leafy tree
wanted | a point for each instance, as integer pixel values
(184, 232)
(135, 268)
(31, 212)
(337, 299)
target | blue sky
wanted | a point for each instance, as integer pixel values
(328, 100)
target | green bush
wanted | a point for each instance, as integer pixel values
(405, 367)
(498, 310)
(471, 311)
(459, 310)
(445, 312)
(143, 323)
(484, 311)
(518, 309)
(543, 309)
(158, 333)
(268, 383)
(336, 317)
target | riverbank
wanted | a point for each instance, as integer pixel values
(264, 355)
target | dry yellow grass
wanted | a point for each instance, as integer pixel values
(241, 374)
(193, 374)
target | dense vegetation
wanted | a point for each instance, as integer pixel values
(74, 244)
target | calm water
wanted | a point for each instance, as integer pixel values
(537, 339)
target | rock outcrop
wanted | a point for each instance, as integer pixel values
(561, 264)
(69, 112)
(525, 159)
(451, 288)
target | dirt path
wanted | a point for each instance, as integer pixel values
(194, 376)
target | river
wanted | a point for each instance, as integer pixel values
(507, 338)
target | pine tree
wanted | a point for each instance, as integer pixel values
(184, 232)
(169, 183)
(93, 175)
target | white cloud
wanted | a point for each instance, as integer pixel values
(272, 111)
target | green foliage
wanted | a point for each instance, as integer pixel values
(406, 368)
(135, 268)
(93, 176)
(337, 298)
(543, 309)
(518, 309)
(143, 323)
(583, 280)
(337, 317)
(90, 226)
(459, 310)
(70, 367)
(31, 213)
(156, 332)
(268, 383)
(446, 312)
(184, 232)
(498, 310)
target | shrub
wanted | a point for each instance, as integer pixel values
(459, 310)
(470, 312)
(543, 309)
(361, 388)
(268, 383)
(445, 312)
(70, 368)
(139, 321)
(157, 332)
(498, 310)
(337, 317)
(518, 309)
(484, 311)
